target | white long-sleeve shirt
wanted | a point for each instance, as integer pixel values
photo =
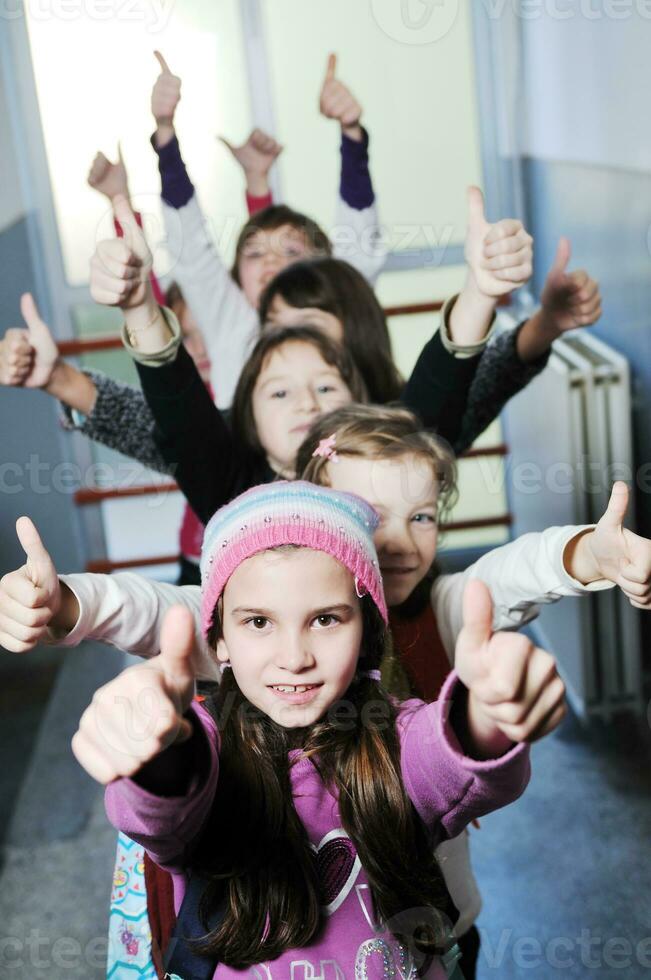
(127, 611)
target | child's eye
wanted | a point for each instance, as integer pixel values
(326, 619)
(281, 393)
(257, 623)
(424, 518)
(326, 389)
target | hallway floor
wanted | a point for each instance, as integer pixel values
(564, 872)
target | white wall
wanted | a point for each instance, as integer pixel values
(587, 79)
(11, 207)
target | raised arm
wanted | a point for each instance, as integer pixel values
(356, 235)
(226, 320)
(107, 411)
(514, 692)
(191, 433)
(119, 419)
(141, 736)
(541, 568)
(256, 156)
(440, 385)
(124, 610)
(111, 180)
(568, 301)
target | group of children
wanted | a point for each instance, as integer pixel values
(320, 714)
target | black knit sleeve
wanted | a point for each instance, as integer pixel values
(194, 437)
(500, 375)
(438, 388)
(120, 420)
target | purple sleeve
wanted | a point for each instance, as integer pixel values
(176, 186)
(447, 788)
(356, 188)
(167, 826)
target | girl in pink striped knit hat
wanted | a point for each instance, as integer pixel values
(297, 811)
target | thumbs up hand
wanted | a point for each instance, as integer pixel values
(135, 717)
(28, 357)
(120, 267)
(30, 597)
(255, 157)
(16, 357)
(110, 179)
(569, 299)
(500, 255)
(336, 101)
(515, 693)
(165, 97)
(612, 552)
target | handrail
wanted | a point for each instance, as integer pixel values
(106, 566)
(95, 495)
(72, 348)
(413, 308)
(500, 449)
(104, 342)
(103, 566)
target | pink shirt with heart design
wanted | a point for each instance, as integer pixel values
(447, 788)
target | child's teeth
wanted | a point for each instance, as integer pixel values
(294, 690)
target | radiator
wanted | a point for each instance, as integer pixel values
(569, 434)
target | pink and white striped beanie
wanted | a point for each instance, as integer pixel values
(290, 512)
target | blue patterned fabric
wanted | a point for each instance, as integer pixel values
(129, 936)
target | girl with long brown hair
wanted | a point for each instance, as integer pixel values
(298, 815)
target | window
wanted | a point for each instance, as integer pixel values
(93, 80)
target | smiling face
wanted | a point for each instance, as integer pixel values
(281, 314)
(292, 631)
(266, 253)
(404, 492)
(293, 388)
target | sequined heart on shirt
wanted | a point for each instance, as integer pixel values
(337, 866)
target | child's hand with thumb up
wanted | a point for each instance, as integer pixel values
(336, 101)
(135, 717)
(16, 357)
(165, 98)
(120, 267)
(28, 357)
(514, 691)
(31, 596)
(499, 258)
(613, 553)
(499, 255)
(569, 299)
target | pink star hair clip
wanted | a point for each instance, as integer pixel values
(326, 448)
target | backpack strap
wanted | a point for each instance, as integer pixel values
(450, 962)
(180, 961)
